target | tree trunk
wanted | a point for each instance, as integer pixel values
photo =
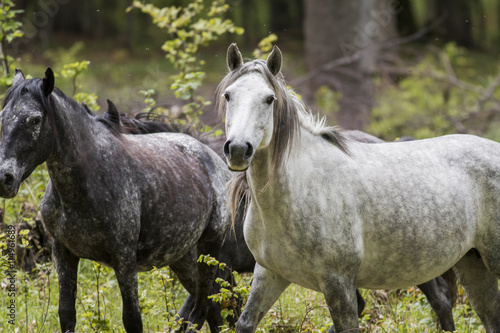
(343, 28)
(286, 16)
(405, 19)
(457, 25)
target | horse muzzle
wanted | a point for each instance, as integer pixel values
(8, 185)
(238, 154)
(9, 181)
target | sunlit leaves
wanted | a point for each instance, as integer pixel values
(189, 28)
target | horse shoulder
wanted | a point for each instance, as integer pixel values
(50, 208)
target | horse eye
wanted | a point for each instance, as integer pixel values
(270, 100)
(35, 121)
(226, 96)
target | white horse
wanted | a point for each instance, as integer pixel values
(332, 215)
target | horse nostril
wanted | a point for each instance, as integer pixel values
(248, 152)
(238, 150)
(8, 180)
(226, 149)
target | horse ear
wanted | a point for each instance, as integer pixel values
(18, 77)
(48, 82)
(113, 113)
(274, 60)
(234, 58)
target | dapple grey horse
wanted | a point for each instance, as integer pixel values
(129, 201)
(332, 215)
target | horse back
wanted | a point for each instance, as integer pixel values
(437, 197)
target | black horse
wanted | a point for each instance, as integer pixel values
(129, 201)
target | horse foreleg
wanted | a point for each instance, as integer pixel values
(440, 302)
(126, 275)
(265, 291)
(361, 302)
(341, 298)
(67, 271)
(481, 288)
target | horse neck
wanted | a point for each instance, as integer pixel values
(265, 182)
(76, 143)
(269, 187)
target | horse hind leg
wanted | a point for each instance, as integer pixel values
(481, 288)
(439, 298)
(184, 269)
(210, 243)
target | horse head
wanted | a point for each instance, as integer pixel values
(251, 91)
(26, 134)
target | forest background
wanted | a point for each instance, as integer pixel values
(391, 68)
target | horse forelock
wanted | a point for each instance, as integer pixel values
(32, 87)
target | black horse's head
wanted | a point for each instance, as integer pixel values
(26, 134)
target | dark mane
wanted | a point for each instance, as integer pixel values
(145, 123)
(33, 87)
(148, 123)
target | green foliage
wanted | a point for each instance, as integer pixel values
(10, 29)
(72, 70)
(327, 100)
(229, 296)
(264, 47)
(189, 28)
(150, 102)
(430, 101)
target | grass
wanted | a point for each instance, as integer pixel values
(298, 309)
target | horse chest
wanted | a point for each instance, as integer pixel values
(294, 249)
